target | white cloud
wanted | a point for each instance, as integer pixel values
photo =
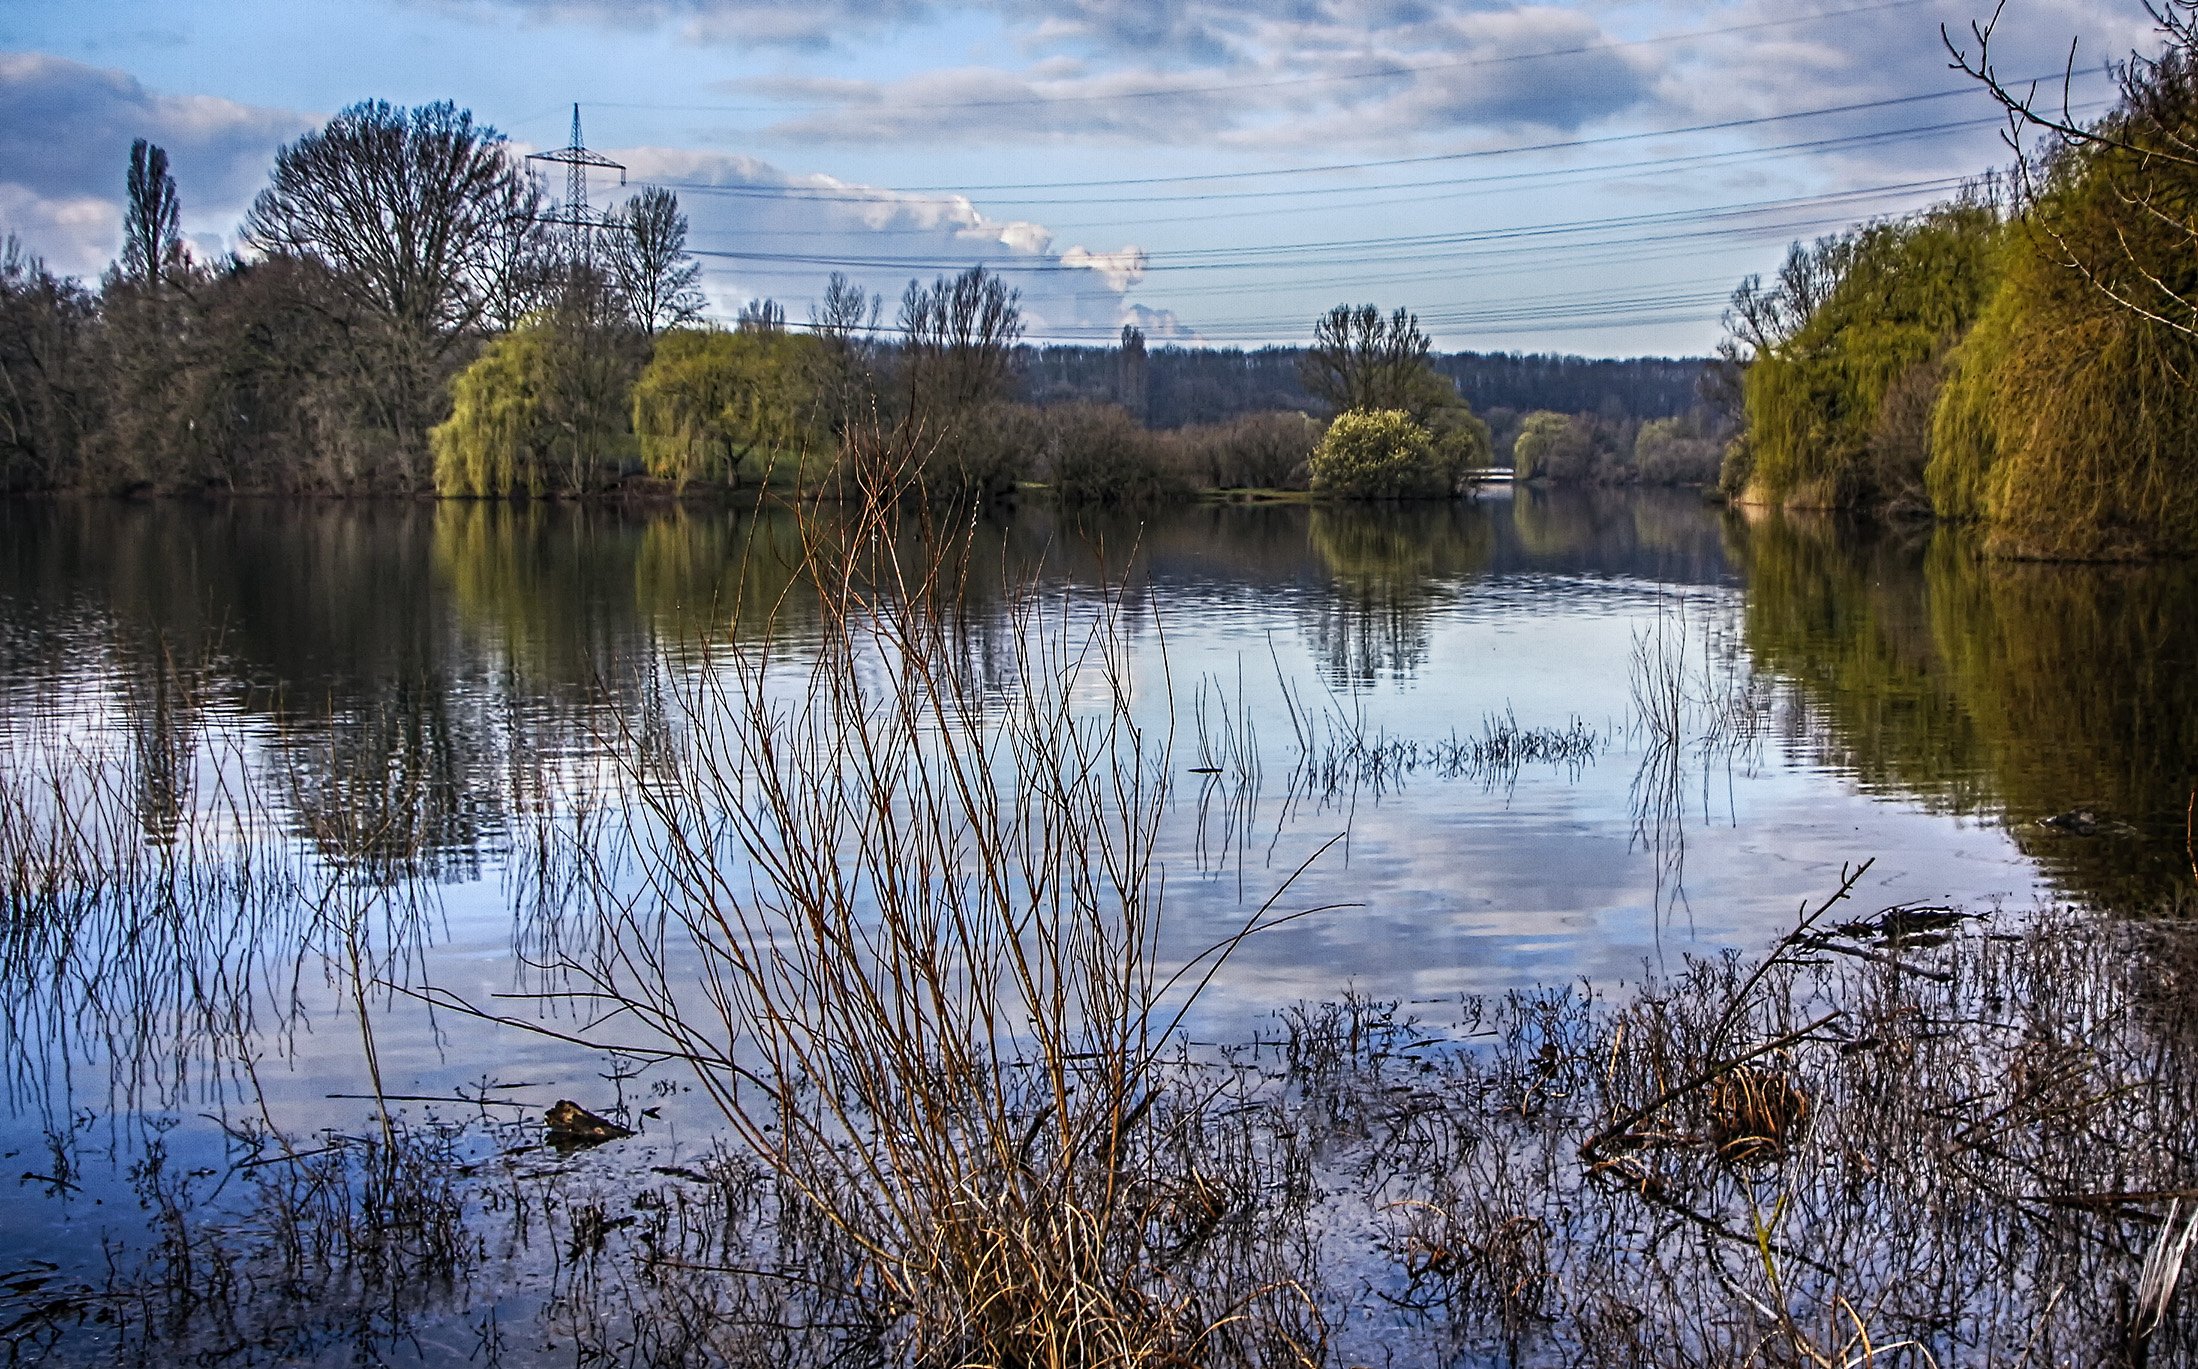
(65, 133)
(760, 230)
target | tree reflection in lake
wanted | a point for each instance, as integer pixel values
(2016, 692)
(1392, 567)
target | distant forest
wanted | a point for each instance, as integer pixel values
(1184, 386)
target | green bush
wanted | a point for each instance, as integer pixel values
(1381, 454)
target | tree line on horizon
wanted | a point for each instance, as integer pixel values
(410, 315)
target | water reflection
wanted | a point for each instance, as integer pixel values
(1391, 568)
(264, 768)
(2013, 692)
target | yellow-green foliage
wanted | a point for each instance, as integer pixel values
(1539, 434)
(498, 426)
(540, 411)
(1393, 569)
(2069, 424)
(711, 402)
(1381, 454)
(1908, 291)
(1461, 437)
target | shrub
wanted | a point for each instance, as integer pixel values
(1381, 454)
(1098, 454)
(1675, 451)
(1269, 451)
(983, 451)
(711, 402)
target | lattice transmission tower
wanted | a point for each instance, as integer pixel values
(580, 220)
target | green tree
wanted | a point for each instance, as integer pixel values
(710, 402)
(1900, 294)
(1360, 361)
(2147, 147)
(1534, 450)
(2069, 420)
(541, 411)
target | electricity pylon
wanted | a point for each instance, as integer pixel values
(579, 219)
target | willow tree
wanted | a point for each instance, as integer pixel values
(715, 405)
(1901, 294)
(541, 411)
(2070, 421)
(2147, 148)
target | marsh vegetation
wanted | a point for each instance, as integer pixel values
(912, 915)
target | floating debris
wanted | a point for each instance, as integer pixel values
(571, 1126)
(2085, 822)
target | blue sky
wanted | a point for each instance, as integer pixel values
(1573, 177)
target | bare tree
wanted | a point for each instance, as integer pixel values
(405, 205)
(1359, 360)
(846, 322)
(847, 315)
(959, 339)
(524, 264)
(47, 403)
(152, 234)
(405, 208)
(649, 263)
(761, 316)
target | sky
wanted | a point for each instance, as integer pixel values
(1585, 176)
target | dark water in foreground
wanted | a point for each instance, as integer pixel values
(1733, 710)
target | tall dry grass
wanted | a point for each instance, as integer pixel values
(898, 908)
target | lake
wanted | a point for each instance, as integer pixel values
(1546, 736)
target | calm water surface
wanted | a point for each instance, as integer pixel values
(433, 678)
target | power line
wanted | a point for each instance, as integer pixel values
(1285, 254)
(1538, 179)
(857, 193)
